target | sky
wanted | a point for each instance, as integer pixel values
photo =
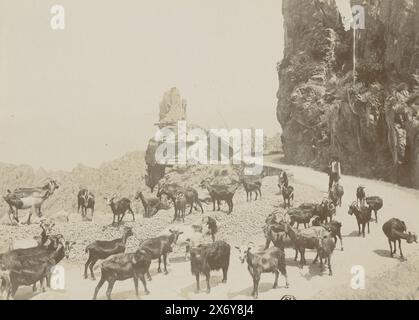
(91, 92)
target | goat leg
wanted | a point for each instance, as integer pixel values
(142, 278)
(91, 268)
(29, 217)
(225, 275)
(256, 278)
(99, 285)
(159, 269)
(42, 281)
(135, 279)
(148, 274)
(86, 266)
(175, 216)
(303, 258)
(341, 242)
(276, 279)
(122, 217)
(400, 248)
(197, 282)
(132, 212)
(207, 277)
(296, 254)
(391, 249)
(111, 283)
(329, 264)
(165, 263)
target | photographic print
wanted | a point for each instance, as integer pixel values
(233, 151)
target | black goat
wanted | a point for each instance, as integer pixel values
(325, 210)
(29, 269)
(271, 260)
(124, 266)
(363, 217)
(396, 230)
(360, 196)
(151, 206)
(287, 195)
(207, 257)
(300, 216)
(220, 193)
(160, 247)
(375, 203)
(252, 184)
(119, 208)
(324, 249)
(85, 200)
(334, 227)
(180, 206)
(101, 249)
(171, 190)
(336, 194)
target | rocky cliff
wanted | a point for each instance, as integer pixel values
(371, 123)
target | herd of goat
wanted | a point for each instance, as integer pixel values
(28, 266)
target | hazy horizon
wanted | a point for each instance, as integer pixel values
(90, 93)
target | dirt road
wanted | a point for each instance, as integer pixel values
(371, 252)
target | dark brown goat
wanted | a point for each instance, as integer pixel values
(334, 227)
(336, 194)
(160, 247)
(360, 196)
(124, 266)
(271, 260)
(363, 217)
(251, 185)
(300, 216)
(208, 257)
(119, 208)
(171, 190)
(395, 230)
(375, 203)
(220, 193)
(85, 200)
(287, 195)
(151, 206)
(101, 249)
